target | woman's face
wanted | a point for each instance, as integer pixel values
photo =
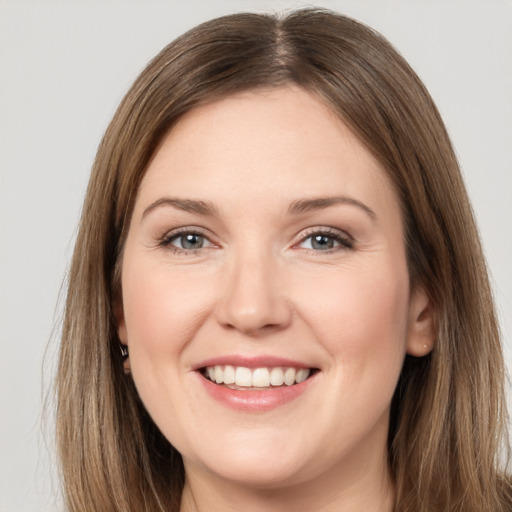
(266, 247)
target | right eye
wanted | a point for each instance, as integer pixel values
(186, 241)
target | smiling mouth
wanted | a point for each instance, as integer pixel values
(242, 378)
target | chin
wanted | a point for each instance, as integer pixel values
(257, 474)
(257, 463)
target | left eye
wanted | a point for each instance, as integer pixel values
(189, 241)
(324, 242)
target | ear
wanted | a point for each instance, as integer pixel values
(421, 330)
(122, 335)
(120, 322)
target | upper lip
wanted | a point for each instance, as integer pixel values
(264, 361)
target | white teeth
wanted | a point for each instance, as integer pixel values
(243, 377)
(219, 375)
(229, 375)
(301, 375)
(277, 377)
(289, 376)
(257, 377)
(261, 378)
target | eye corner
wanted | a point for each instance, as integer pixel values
(187, 240)
(325, 240)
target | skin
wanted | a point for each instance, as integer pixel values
(259, 287)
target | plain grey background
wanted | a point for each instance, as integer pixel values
(64, 66)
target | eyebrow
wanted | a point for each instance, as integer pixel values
(297, 207)
(318, 203)
(186, 205)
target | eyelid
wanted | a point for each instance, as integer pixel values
(166, 239)
(345, 239)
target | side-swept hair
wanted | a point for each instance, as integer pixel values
(448, 413)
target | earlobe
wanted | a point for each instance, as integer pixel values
(421, 332)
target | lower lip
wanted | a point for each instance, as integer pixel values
(252, 400)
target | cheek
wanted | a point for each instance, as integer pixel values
(161, 309)
(361, 317)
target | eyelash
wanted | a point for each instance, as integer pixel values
(344, 240)
(168, 238)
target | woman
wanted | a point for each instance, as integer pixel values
(278, 297)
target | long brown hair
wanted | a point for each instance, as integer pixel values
(448, 413)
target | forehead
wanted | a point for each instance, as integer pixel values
(263, 145)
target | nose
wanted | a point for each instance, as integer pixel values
(253, 299)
